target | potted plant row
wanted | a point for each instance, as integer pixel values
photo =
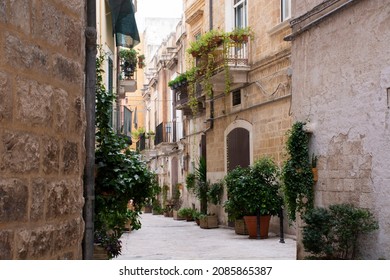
(179, 81)
(206, 192)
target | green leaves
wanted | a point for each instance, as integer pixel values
(297, 175)
(253, 188)
(333, 233)
(121, 175)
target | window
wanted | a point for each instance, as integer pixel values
(240, 13)
(236, 98)
(285, 6)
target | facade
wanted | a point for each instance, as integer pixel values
(163, 124)
(42, 129)
(251, 120)
(341, 81)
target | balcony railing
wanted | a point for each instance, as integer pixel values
(169, 132)
(141, 143)
(236, 55)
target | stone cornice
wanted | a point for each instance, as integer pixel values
(316, 15)
(195, 12)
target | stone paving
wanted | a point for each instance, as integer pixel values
(162, 238)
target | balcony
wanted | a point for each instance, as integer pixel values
(141, 143)
(168, 133)
(182, 98)
(237, 61)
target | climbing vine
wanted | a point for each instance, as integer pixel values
(121, 175)
(297, 174)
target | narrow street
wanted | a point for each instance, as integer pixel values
(162, 238)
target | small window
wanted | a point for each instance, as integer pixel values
(285, 6)
(240, 13)
(236, 97)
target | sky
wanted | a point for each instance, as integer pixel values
(157, 8)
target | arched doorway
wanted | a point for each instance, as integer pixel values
(238, 148)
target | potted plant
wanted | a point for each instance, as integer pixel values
(129, 59)
(257, 195)
(196, 214)
(234, 206)
(141, 62)
(241, 35)
(206, 192)
(187, 212)
(208, 221)
(156, 207)
(176, 204)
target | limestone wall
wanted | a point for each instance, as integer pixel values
(42, 125)
(341, 75)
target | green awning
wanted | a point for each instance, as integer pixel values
(123, 22)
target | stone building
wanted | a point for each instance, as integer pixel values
(341, 88)
(42, 129)
(251, 120)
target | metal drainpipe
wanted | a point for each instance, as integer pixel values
(118, 100)
(89, 169)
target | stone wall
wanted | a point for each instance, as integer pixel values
(340, 86)
(42, 126)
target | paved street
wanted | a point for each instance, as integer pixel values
(162, 238)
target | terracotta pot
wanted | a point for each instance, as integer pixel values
(251, 224)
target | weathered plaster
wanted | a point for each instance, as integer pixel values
(340, 76)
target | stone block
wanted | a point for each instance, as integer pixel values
(67, 70)
(20, 153)
(6, 242)
(3, 14)
(61, 110)
(34, 103)
(20, 11)
(48, 23)
(73, 37)
(35, 244)
(69, 235)
(5, 97)
(21, 55)
(79, 121)
(51, 155)
(13, 200)
(63, 198)
(70, 158)
(37, 209)
(75, 6)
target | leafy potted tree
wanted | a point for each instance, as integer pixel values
(234, 206)
(257, 194)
